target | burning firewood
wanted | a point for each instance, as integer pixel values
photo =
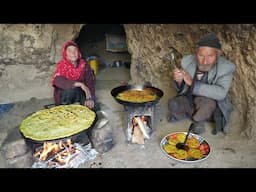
(37, 154)
(59, 159)
(57, 153)
(142, 127)
(69, 144)
(137, 136)
(139, 130)
(61, 144)
(48, 148)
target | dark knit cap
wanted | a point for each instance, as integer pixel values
(209, 40)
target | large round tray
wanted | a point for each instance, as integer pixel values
(188, 160)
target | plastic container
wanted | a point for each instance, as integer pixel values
(94, 65)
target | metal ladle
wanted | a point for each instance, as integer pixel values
(183, 145)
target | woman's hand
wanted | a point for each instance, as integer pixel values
(84, 88)
(89, 103)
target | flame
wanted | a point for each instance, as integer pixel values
(142, 118)
(60, 152)
(69, 142)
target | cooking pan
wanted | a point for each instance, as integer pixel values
(114, 92)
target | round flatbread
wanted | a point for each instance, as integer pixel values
(181, 137)
(195, 153)
(180, 154)
(170, 148)
(57, 122)
(173, 141)
(193, 143)
(137, 96)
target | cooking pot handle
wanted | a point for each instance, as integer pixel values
(48, 106)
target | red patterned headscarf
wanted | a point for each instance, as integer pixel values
(66, 68)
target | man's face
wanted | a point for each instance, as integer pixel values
(72, 53)
(206, 57)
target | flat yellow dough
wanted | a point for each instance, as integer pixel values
(57, 122)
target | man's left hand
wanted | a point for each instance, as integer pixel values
(187, 78)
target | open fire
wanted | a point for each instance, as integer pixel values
(139, 123)
(63, 154)
(56, 153)
(139, 130)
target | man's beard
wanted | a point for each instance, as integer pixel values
(205, 68)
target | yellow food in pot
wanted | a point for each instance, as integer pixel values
(137, 96)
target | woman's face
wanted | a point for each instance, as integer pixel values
(206, 57)
(72, 53)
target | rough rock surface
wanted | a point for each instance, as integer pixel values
(28, 56)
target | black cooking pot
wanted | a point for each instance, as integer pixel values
(114, 92)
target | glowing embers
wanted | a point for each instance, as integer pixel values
(63, 154)
(58, 153)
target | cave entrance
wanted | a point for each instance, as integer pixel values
(106, 43)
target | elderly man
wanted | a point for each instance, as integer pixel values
(202, 84)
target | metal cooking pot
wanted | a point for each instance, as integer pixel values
(114, 92)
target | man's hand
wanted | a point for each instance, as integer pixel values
(187, 77)
(177, 75)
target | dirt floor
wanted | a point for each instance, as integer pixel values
(227, 151)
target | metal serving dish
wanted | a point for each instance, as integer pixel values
(187, 160)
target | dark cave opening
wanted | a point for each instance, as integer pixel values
(95, 40)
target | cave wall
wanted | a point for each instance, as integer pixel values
(29, 53)
(28, 56)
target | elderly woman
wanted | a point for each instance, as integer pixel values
(73, 79)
